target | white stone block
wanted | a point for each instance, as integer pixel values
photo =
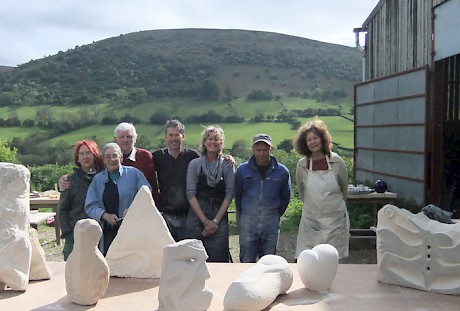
(86, 272)
(39, 270)
(15, 248)
(415, 251)
(257, 287)
(317, 267)
(137, 250)
(183, 276)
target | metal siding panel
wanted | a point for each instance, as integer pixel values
(365, 115)
(386, 138)
(408, 166)
(385, 162)
(385, 89)
(365, 138)
(411, 139)
(367, 159)
(365, 94)
(446, 28)
(412, 83)
(386, 113)
(411, 110)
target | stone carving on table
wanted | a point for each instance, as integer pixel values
(38, 268)
(317, 267)
(415, 251)
(137, 250)
(15, 248)
(257, 287)
(183, 276)
(86, 271)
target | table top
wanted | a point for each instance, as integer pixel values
(372, 196)
(355, 287)
(37, 217)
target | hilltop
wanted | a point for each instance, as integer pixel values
(182, 63)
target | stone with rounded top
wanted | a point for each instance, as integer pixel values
(257, 287)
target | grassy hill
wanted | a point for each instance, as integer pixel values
(180, 73)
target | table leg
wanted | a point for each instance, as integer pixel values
(57, 228)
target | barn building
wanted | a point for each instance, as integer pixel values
(407, 107)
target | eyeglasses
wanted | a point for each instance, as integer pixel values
(85, 153)
(112, 156)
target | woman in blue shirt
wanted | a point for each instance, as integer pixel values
(111, 193)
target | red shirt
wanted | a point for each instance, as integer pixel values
(143, 160)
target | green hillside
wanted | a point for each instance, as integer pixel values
(246, 81)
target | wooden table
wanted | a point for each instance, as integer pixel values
(374, 198)
(47, 202)
(38, 217)
(355, 287)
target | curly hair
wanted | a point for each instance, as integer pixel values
(92, 146)
(209, 130)
(318, 127)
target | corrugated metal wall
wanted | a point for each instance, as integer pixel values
(398, 37)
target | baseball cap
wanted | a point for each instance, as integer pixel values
(262, 138)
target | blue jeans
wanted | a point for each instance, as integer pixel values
(258, 238)
(177, 225)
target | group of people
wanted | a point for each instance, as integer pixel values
(193, 190)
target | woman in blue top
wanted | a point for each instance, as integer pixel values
(111, 193)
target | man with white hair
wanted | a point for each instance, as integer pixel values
(125, 136)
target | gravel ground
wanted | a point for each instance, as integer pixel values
(361, 251)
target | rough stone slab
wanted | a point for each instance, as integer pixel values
(137, 250)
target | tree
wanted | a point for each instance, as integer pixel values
(43, 116)
(286, 145)
(240, 149)
(7, 153)
(209, 89)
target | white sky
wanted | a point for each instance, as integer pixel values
(32, 29)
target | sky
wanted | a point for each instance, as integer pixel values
(33, 29)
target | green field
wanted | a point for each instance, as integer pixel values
(341, 128)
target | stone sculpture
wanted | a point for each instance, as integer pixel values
(15, 248)
(137, 250)
(257, 287)
(317, 267)
(38, 268)
(415, 251)
(86, 272)
(183, 276)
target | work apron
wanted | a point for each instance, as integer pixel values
(324, 214)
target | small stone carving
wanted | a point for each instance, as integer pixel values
(38, 268)
(15, 248)
(86, 272)
(415, 251)
(317, 267)
(257, 287)
(183, 276)
(137, 250)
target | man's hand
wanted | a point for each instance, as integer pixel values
(230, 160)
(63, 183)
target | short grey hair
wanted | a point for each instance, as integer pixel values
(174, 124)
(123, 127)
(114, 146)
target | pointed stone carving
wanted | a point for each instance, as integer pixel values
(39, 270)
(86, 272)
(257, 287)
(15, 248)
(415, 251)
(182, 283)
(137, 250)
(317, 267)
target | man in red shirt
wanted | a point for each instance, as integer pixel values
(125, 136)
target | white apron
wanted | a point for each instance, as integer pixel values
(324, 213)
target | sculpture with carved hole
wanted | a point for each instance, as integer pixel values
(415, 251)
(257, 287)
(137, 250)
(86, 272)
(15, 248)
(317, 267)
(183, 276)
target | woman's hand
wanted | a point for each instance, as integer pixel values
(111, 219)
(210, 227)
